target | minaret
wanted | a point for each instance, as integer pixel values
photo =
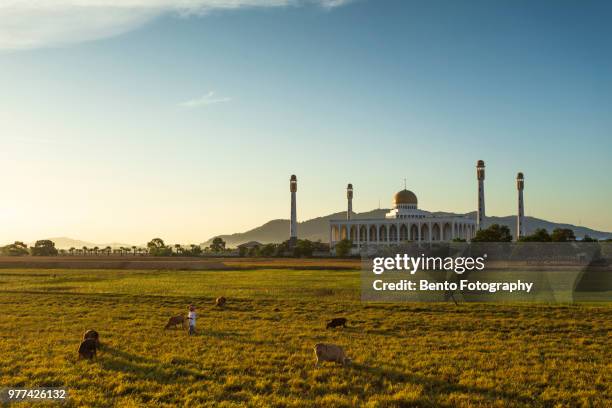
(293, 224)
(480, 174)
(349, 197)
(520, 185)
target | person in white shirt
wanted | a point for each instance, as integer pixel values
(192, 319)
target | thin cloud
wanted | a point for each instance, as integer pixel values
(205, 100)
(44, 23)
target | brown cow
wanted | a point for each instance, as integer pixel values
(92, 334)
(330, 352)
(336, 322)
(220, 301)
(175, 321)
(87, 349)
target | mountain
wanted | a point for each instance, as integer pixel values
(318, 228)
(67, 243)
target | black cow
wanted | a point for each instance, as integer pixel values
(87, 349)
(336, 322)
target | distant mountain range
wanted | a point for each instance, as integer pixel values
(67, 243)
(318, 228)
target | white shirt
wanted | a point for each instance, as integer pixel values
(192, 318)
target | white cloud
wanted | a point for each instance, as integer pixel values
(209, 99)
(41, 23)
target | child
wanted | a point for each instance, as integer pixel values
(192, 319)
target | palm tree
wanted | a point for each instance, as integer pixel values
(71, 250)
(178, 248)
(134, 249)
(96, 250)
(107, 250)
(85, 250)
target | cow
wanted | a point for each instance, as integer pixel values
(220, 301)
(175, 321)
(92, 334)
(330, 352)
(336, 322)
(87, 349)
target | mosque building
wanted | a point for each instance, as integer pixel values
(405, 222)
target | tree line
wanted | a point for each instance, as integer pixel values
(501, 233)
(157, 247)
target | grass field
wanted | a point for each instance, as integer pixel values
(258, 350)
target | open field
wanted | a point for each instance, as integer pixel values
(174, 262)
(258, 350)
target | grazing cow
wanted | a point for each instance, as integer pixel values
(175, 321)
(337, 322)
(330, 352)
(220, 301)
(87, 349)
(92, 334)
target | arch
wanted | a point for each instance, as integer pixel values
(447, 232)
(353, 233)
(435, 232)
(343, 233)
(363, 233)
(404, 236)
(373, 233)
(424, 232)
(414, 232)
(393, 233)
(383, 233)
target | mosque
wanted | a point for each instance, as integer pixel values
(405, 221)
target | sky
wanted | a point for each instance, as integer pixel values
(184, 119)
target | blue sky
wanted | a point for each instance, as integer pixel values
(123, 123)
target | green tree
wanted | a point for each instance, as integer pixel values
(43, 247)
(587, 238)
(562, 235)
(157, 247)
(282, 249)
(539, 235)
(196, 250)
(18, 248)
(217, 245)
(303, 247)
(267, 250)
(343, 248)
(495, 233)
(254, 251)
(242, 251)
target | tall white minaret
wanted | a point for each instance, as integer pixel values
(480, 174)
(293, 224)
(349, 197)
(520, 185)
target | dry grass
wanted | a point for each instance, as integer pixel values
(258, 350)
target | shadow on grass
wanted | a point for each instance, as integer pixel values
(434, 387)
(145, 368)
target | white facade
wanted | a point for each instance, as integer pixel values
(405, 222)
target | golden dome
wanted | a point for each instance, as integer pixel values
(405, 197)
